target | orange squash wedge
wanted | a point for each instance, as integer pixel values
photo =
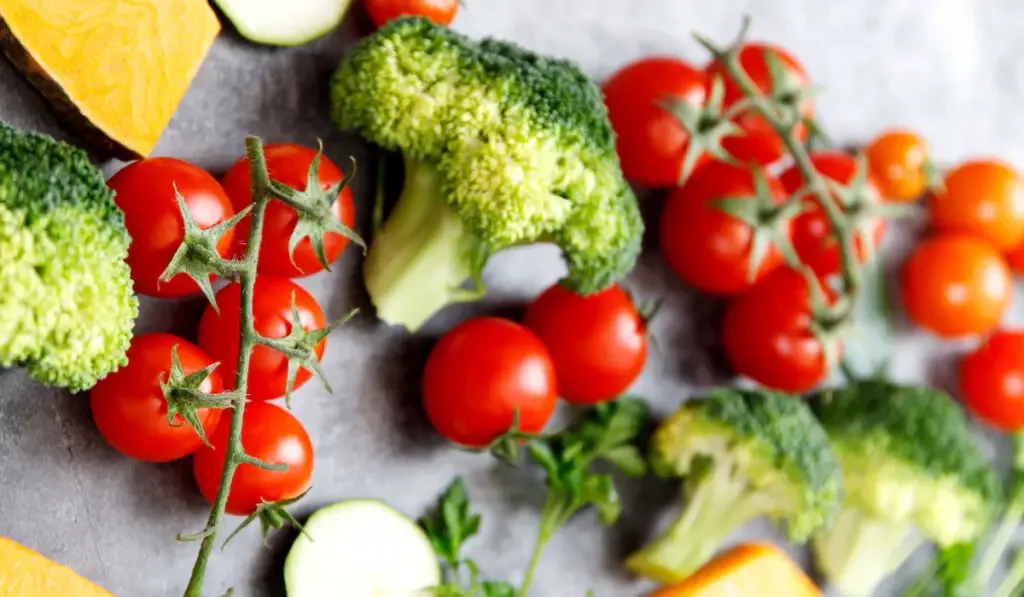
(749, 570)
(25, 573)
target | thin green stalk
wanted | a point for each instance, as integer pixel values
(553, 516)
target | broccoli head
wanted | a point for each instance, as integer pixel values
(501, 148)
(912, 473)
(742, 454)
(66, 301)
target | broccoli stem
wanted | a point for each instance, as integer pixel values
(421, 255)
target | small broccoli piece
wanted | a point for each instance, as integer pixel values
(501, 147)
(912, 474)
(742, 454)
(66, 302)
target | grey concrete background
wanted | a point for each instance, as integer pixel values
(952, 69)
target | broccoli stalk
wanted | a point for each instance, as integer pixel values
(999, 543)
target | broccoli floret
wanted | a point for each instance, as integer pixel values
(501, 148)
(742, 454)
(912, 473)
(66, 301)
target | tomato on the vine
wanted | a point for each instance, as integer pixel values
(129, 407)
(706, 247)
(651, 142)
(766, 334)
(992, 380)
(899, 160)
(480, 374)
(441, 12)
(598, 342)
(1016, 259)
(271, 434)
(813, 237)
(289, 164)
(144, 190)
(956, 285)
(982, 197)
(272, 315)
(759, 142)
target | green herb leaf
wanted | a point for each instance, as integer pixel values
(450, 524)
(492, 588)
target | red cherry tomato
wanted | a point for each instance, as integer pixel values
(129, 407)
(767, 335)
(144, 190)
(759, 143)
(289, 164)
(707, 248)
(650, 141)
(441, 12)
(271, 309)
(992, 381)
(480, 374)
(899, 160)
(813, 238)
(985, 198)
(271, 434)
(598, 342)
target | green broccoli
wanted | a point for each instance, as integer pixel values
(501, 147)
(742, 454)
(66, 301)
(912, 473)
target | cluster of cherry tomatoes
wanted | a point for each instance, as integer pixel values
(129, 406)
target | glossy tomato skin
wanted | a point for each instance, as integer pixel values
(813, 238)
(289, 164)
(766, 334)
(271, 309)
(650, 141)
(992, 381)
(441, 12)
(598, 342)
(707, 248)
(1016, 260)
(144, 190)
(760, 143)
(129, 408)
(956, 285)
(898, 159)
(982, 197)
(480, 373)
(271, 434)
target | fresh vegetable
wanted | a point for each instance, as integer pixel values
(25, 573)
(284, 251)
(715, 251)
(984, 198)
(956, 285)
(273, 301)
(441, 12)
(898, 160)
(360, 547)
(912, 474)
(284, 23)
(1015, 259)
(749, 569)
(484, 375)
(134, 408)
(66, 302)
(502, 148)
(742, 454)
(598, 343)
(146, 191)
(141, 59)
(990, 380)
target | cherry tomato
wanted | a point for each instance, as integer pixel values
(766, 333)
(813, 238)
(271, 434)
(271, 309)
(898, 161)
(1016, 259)
(597, 342)
(707, 248)
(759, 142)
(992, 380)
(651, 142)
(129, 408)
(289, 164)
(985, 198)
(480, 374)
(956, 285)
(144, 190)
(441, 12)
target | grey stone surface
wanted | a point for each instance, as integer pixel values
(952, 69)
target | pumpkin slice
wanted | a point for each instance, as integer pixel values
(114, 70)
(25, 573)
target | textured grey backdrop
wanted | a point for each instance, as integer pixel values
(953, 69)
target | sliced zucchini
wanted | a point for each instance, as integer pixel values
(284, 22)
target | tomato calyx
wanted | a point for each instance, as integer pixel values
(273, 516)
(184, 398)
(707, 125)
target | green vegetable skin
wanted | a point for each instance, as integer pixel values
(66, 302)
(912, 473)
(742, 454)
(277, 23)
(502, 148)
